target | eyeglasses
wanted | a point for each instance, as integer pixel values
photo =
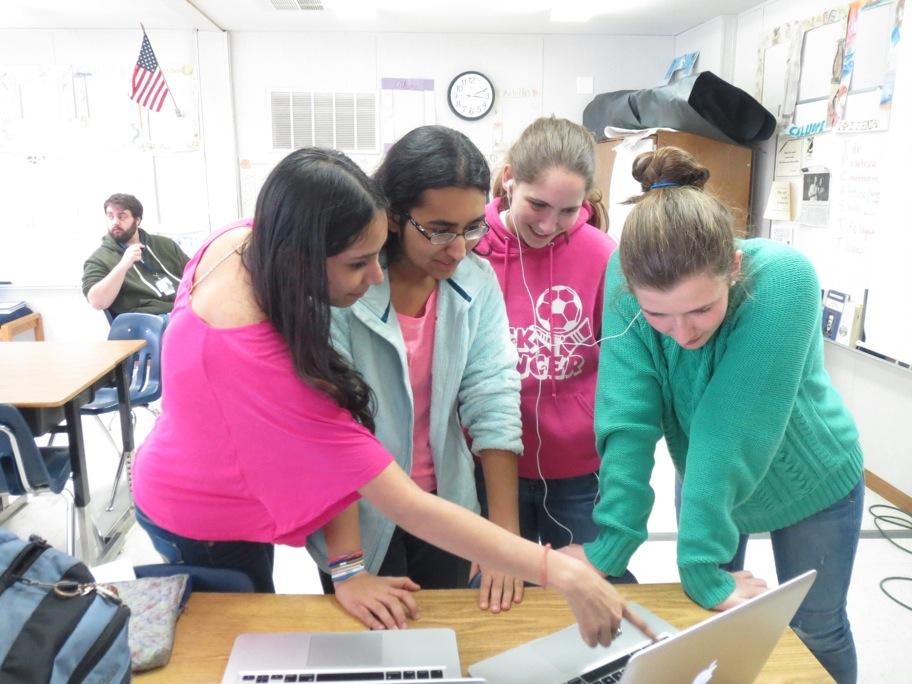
(446, 237)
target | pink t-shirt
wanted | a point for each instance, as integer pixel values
(244, 450)
(418, 335)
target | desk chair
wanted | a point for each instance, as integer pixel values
(29, 469)
(145, 386)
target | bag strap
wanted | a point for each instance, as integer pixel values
(23, 561)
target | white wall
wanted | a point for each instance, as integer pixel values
(73, 145)
(65, 148)
(533, 76)
(715, 39)
(880, 396)
(51, 214)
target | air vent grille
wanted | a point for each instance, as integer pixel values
(342, 121)
(296, 4)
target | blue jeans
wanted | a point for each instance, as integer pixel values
(255, 559)
(564, 517)
(825, 542)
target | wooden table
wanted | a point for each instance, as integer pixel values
(30, 321)
(48, 382)
(210, 623)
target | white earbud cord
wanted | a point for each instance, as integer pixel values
(522, 271)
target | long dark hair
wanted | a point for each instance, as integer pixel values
(426, 158)
(313, 205)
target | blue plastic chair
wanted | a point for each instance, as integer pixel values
(145, 385)
(30, 469)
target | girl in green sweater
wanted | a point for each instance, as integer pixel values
(723, 356)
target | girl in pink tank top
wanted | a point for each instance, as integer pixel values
(266, 431)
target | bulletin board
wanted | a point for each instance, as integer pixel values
(836, 81)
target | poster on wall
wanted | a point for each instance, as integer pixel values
(864, 97)
(804, 53)
(833, 71)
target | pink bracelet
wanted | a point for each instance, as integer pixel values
(543, 575)
(354, 556)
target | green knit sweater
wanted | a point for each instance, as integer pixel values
(753, 424)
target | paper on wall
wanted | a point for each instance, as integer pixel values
(815, 200)
(779, 202)
(782, 231)
(788, 158)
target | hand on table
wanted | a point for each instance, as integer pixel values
(746, 587)
(497, 591)
(379, 602)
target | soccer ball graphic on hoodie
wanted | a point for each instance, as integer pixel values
(551, 353)
(560, 306)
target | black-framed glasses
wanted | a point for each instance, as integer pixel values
(446, 237)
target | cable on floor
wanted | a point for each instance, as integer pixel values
(904, 520)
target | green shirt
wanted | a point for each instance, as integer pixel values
(150, 285)
(754, 426)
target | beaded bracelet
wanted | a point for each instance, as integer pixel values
(347, 566)
(348, 571)
(346, 558)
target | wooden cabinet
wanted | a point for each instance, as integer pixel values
(729, 169)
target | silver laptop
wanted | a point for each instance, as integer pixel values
(340, 657)
(727, 647)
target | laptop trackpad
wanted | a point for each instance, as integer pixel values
(355, 649)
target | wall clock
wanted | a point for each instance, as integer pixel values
(470, 95)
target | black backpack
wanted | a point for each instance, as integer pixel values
(54, 625)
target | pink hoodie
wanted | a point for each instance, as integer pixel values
(557, 289)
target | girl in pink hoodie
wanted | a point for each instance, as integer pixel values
(549, 251)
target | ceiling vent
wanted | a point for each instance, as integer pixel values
(297, 4)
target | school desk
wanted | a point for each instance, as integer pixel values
(210, 622)
(48, 382)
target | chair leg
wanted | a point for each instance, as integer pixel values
(124, 458)
(125, 461)
(107, 433)
(151, 409)
(89, 541)
(70, 522)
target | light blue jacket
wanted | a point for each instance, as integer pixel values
(475, 384)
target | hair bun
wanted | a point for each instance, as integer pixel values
(670, 165)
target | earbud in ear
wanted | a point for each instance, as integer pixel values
(508, 185)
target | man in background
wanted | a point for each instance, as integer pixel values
(132, 271)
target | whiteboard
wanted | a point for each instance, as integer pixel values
(866, 242)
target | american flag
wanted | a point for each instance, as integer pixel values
(149, 86)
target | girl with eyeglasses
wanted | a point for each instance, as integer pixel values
(266, 431)
(432, 342)
(550, 257)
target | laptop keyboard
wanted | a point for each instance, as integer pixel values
(382, 675)
(609, 673)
